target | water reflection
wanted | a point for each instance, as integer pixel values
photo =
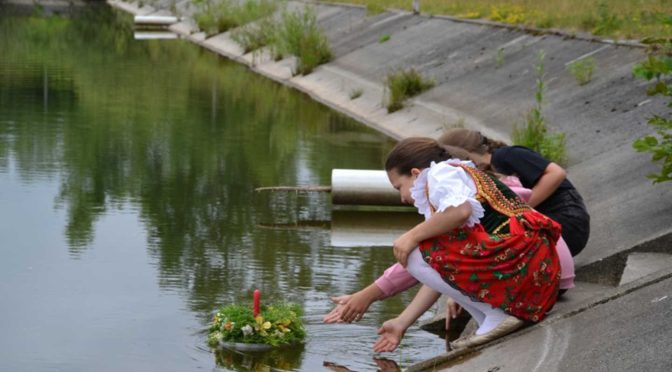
(278, 359)
(145, 156)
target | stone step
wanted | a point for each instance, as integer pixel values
(641, 264)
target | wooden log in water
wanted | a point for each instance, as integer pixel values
(295, 188)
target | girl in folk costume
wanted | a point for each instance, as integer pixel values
(396, 279)
(479, 244)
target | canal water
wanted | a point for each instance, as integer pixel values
(128, 213)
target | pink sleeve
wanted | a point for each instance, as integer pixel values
(566, 264)
(514, 184)
(395, 280)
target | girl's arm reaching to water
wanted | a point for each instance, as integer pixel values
(393, 330)
(351, 307)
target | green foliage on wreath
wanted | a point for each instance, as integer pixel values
(276, 325)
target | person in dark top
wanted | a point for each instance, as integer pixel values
(552, 193)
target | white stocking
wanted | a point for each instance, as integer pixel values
(485, 315)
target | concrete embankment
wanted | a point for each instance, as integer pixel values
(485, 79)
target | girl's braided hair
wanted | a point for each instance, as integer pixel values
(470, 140)
(415, 152)
(420, 152)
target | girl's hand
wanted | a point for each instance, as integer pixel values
(334, 315)
(355, 307)
(403, 246)
(391, 334)
(452, 311)
(350, 308)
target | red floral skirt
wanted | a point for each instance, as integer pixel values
(518, 272)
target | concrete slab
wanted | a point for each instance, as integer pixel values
(644, 263)
(630, 332)
(224, 45)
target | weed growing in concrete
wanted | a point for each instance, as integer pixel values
(582, 70)
(534, 133)
(384, 38)
(356, 93)
(499, 58)
(299, 34)
(402, 85)
(256, 35)
(658, 66)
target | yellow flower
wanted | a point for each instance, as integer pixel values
(284, 322)
(266, 325)
(259, 319)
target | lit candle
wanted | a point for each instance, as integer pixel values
(257, 298)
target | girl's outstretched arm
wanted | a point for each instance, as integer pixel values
(440, 223)
(393, 330)
(549, 181)
(352, 307)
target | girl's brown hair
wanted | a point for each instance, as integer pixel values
(415, 152)
(470, 140)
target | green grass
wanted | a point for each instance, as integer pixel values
(402, 85)
(384, 38)
(613, 18)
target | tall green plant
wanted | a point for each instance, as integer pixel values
(534, 133)
(658, 66)
(300, 35)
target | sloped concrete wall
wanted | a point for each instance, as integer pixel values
(600, 119)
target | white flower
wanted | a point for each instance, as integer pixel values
(247, 330)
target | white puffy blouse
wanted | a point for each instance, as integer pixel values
(447, 186)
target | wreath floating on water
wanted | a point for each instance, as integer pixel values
(258, 328)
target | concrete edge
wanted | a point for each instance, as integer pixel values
(585, 305)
